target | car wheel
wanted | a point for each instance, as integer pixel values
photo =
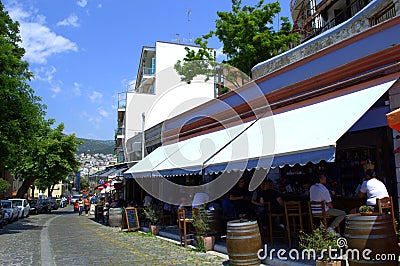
(36, 212)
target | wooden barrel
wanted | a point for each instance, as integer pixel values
(243, 240)
(115, 217)
(375, 233)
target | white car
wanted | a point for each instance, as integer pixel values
(11, 210)
(23, 207)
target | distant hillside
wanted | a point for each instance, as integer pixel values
(92, 146)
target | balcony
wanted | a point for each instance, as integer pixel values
(120, 132)
(316, 25)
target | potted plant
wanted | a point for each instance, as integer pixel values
(366, 210)
(321, 241)
(153, 215)
(201, 225)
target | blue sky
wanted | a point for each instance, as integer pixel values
(84, 52)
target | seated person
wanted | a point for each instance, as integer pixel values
(372, 188)
(257, 206)
(318, 192)
(269, 194)
(238, 197)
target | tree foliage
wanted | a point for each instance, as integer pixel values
(4, 186)
(21, 111)
(29, 147)
(248, 38)
(54, 159)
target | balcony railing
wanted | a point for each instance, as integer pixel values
(120, 131)
(148, 71)
(122, 104)
(387, 13)
(315, 27)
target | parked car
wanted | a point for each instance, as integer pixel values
(23, 207)
(1, 215)
(46, 205)
(37, 206)
(11, 210)
(53, 204)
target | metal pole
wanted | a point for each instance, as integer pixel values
(143, 138)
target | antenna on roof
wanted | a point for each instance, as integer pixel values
(178, 38)
(189, 11)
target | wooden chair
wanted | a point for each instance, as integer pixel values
(385, 205)
(270, 221)
(316, 210)
(186, 233)
(294, 219)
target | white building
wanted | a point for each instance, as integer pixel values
(157, 95)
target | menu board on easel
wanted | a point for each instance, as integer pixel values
(130, 219)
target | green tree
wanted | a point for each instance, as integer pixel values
(4, 186)
(54, 159)
(248, 38)
(21, 112)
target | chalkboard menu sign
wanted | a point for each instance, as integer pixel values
(130, 219)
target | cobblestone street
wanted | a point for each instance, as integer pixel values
(64, 238)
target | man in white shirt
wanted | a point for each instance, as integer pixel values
(318, 192)
(200, 199)
(372, 188)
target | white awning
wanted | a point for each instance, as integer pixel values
(306, 134)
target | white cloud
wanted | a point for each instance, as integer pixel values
(39, 41)
(81, 3)
(99, 6)
(220, 55)
(95, 96)
(94, 120)
(72, 20)
(45, 73)
(77, 89)
(56, 90)
(103, 112)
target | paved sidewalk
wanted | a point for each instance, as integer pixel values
(79, 240)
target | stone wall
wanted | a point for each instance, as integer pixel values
(355, 25)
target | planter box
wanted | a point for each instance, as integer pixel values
(329, 263)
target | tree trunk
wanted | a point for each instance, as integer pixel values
(50, 190)
(25, 186)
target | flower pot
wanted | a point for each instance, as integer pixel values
(155, 229)
(209, 242)
(366, 213)
(329, 263)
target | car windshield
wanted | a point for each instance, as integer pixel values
(18, 203)
(6, 204)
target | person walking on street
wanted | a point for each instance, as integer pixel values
(86, 205)
(80, 206)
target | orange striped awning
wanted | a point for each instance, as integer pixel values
(393, 119)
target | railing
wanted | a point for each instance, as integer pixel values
(122, 104)
(120, 131)
(387, 13)
(148, 71)
(341, 17)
